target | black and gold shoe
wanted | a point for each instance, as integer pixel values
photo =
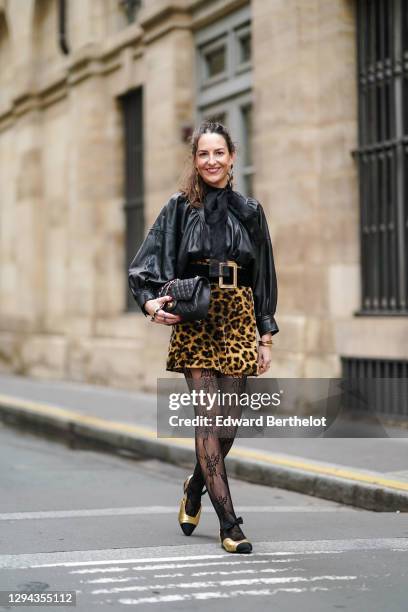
(188, 523)
(231, 544)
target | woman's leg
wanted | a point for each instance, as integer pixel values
(211, 449)
(197, 482)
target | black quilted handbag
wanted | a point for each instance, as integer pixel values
(191, 297)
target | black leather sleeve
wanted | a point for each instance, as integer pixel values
(265, 287)
(154, 263)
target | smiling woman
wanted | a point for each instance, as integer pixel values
(208, 229)
(214, 162)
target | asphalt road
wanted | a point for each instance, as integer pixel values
(106, 527)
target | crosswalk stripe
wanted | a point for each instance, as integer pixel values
(160, 566)
(218, 595)
(137, 510)
(219, 583)
(221, 573)
(194, 552)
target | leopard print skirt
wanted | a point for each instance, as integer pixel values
(224, 341)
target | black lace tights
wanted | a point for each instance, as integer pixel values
(213, 443)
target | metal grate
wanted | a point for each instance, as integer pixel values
(388, 393)
(382, 155)
(132, 106)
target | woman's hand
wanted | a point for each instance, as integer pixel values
(264, 358)
(161, 316)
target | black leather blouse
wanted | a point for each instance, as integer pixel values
(180, 234)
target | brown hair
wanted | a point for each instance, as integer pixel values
(192, 185)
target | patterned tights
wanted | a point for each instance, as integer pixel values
(214, 443)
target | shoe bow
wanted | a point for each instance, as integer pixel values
(229, 524)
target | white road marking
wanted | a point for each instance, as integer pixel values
(167, 575)
(109, 575)
(131, 511)
(131, 578)
(194, 552)
(219, 595)
(268, 570)
(218, 583)
(97, 570)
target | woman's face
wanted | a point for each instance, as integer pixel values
(213, 160)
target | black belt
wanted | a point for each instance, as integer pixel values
(230, 274)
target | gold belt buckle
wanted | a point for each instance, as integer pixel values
(234, 266)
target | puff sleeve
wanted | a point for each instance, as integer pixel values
(265, 288)
(155, 262)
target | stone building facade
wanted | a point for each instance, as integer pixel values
(69, 208)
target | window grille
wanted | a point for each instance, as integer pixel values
(387, 396)
(382, 154)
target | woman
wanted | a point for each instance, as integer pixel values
(201, 226)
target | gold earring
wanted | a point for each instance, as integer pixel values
(231, 176)
(196, 186)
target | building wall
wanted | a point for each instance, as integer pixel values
(63, 278)
(306, 113)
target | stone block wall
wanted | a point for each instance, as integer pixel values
(63, 280)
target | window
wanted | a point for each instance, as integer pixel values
(224, 86)
(134, 187)
(244, 48)
(382, 154)
(247, 167)
(215, 61)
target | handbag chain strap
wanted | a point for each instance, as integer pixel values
(167, 286)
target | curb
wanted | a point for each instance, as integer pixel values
(362, 489)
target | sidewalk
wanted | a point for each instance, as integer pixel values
(371, 473)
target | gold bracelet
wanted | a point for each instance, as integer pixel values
(265, 342)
